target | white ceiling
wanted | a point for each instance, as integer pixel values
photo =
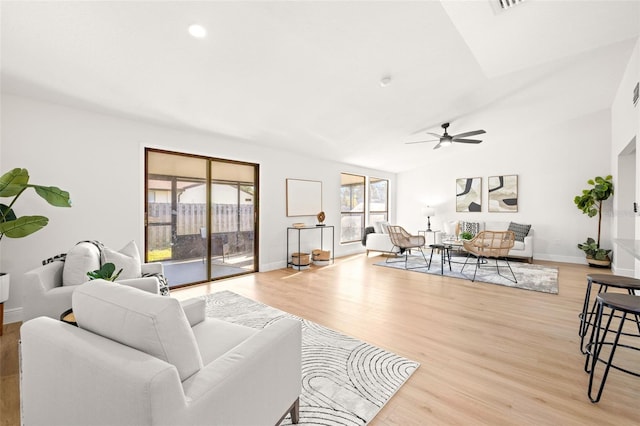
(304, 76)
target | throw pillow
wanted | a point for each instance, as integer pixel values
(82, 258)
(520, 230)
(450, 228)
(127, 258)
(472, 227)
(144, 321)
(381, 227)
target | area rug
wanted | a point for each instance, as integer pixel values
(344, 381)
(529, 276)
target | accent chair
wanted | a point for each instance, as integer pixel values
(137, 358)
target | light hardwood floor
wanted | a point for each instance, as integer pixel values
(489, 354)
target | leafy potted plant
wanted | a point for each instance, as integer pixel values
(466, 235)
(590, 203)
(12, 185)
(106, 272)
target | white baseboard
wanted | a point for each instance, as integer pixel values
(622, 271)
(565, 259)
(273, 266)
(12, 315)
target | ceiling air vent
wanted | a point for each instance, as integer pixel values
(506, 4)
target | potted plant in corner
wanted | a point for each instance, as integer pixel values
(12, 185)
(590, 203)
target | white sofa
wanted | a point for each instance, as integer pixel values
(380, 240)
(47, 289)
(138, 358)
(521, 249)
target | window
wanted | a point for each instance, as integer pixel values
(378, 200)
(352, 207)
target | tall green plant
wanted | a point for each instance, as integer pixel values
(590, 201)
(12, 185)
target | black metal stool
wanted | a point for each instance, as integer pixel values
(605, 281)
(445, 254)
(625, 304)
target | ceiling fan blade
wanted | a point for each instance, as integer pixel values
(437, 146)
(434, 140)
(472, 133)
(466, 140)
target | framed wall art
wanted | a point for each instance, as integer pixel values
(469, 194)
(503, 193)
(304, 197)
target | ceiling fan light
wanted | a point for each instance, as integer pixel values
(445, 142)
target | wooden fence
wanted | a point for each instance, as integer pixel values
(191, 218)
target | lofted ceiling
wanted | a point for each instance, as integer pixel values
(305, 76)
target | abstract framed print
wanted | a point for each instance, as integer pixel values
(469, 194)
(503, 193)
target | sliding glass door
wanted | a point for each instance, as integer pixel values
(200, 216)
(233, 218)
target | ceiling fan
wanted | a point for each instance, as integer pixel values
(446, 139)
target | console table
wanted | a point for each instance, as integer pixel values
(321, 229)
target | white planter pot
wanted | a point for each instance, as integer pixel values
(4, 287)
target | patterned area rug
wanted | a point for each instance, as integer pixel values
(344, 381)
(529, 276)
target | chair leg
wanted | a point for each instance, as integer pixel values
(427, 262)
(477, 265)
(590, 315)
(430, 259)
(585, 308)
(396, 255)
(514, 280)
(632, 293)
(295, 411)
(475, 271)
(465, 262)
(596, 346)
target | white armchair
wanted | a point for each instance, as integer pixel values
(43, 292)
(142, 359)
(47, 289)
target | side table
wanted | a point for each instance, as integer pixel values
(68, 317)
(444, 255)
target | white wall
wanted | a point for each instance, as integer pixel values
(99, 160)
(553, 163)
(625, 126)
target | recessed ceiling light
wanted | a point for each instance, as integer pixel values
(197, 31)
(385, 81)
